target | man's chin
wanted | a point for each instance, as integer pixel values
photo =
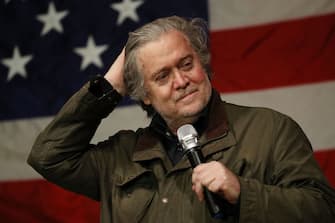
(191, 113)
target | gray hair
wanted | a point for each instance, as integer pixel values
(195, 30)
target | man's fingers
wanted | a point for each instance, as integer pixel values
(217, 179)
(198, 189)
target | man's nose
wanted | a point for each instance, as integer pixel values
(180, 80)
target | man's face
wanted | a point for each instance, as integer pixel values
(176, 84)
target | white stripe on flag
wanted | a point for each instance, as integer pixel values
(18, 136)
(225, 14)
(312, 106)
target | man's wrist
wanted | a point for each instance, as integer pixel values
(102, 89)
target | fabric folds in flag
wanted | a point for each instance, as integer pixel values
(277, 54)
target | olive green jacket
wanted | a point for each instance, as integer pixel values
(133, 178)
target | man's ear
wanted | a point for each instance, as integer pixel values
(146, 100)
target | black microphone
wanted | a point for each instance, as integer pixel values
(188, 137)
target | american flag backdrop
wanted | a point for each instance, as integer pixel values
(278, 54)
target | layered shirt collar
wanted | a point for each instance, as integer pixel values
(212, 125)
(170, 141)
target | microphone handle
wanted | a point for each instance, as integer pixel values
(195, 157)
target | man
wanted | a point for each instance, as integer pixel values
(259, 164)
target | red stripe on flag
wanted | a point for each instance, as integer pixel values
(326, 160)
(38, 201)
(280, 54)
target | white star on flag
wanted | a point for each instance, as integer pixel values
(52, 19)
(126, 9)
(91, 53)
(16, 64)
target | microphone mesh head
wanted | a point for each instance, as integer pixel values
(187, 136)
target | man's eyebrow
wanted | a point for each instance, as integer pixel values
(155, 73)
(181, 60)
(189, 56)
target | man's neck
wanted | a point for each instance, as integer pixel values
(173, 125)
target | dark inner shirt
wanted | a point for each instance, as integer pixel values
(170, 141)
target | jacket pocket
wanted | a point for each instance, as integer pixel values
(134, 195)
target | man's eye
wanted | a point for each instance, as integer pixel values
(187, 65)
(161, 77)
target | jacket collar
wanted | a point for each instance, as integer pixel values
(149, 147)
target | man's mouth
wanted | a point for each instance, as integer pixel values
(186, 94)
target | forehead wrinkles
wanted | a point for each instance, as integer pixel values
(163, 45)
